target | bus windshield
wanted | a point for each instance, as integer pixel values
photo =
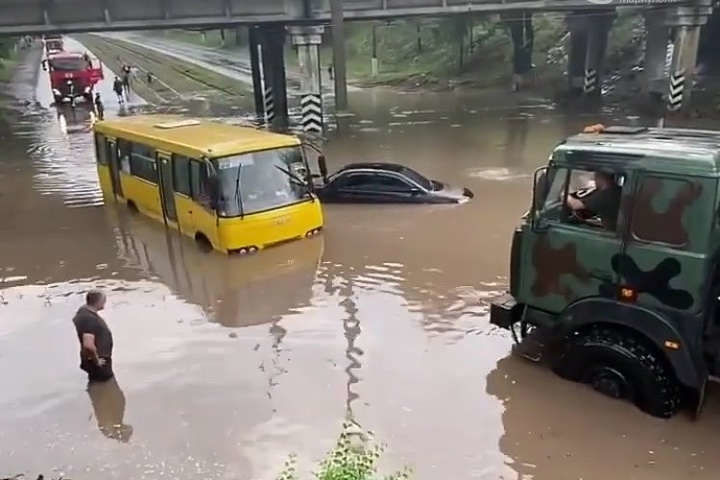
(257, 181)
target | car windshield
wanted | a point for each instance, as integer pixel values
(258, 181)
(68, 64)
(417, 178)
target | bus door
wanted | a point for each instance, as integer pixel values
(114, 161)
(167, 194)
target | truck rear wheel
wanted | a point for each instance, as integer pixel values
(621, 364)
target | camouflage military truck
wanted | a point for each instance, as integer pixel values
(624, 284)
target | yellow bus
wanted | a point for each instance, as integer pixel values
(236, 189)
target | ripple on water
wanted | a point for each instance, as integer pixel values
(63, 166)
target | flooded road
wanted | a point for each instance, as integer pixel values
(226, 365)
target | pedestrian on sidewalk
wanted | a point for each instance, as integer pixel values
(96, 341)
(99, 107)
(118, 89)
(126, 70)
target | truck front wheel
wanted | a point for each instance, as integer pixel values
(621, 364)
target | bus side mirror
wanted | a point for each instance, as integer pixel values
(322, 165)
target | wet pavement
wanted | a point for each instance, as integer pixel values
(226, 365)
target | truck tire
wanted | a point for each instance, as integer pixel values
(622, 364)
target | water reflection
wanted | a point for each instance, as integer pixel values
(234, 291)
(548, 436)
(108, 402)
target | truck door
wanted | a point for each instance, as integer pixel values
(665, 256)
(568, 257)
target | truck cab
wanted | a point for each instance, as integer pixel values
(616, 262)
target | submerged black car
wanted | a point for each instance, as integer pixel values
(387, 183)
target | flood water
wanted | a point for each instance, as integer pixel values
(226, 365)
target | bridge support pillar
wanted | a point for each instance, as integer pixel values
(656, 49)
(588, 42)
(267, 58)
(521, 32)
(307, 41)
(255, 47)
(685, 23)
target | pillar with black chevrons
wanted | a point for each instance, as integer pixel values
(307, 41)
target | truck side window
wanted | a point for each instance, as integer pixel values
(659, 207)
(583, 197)
(552, 205)
(594, 198)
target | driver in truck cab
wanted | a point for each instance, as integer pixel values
(603, 201)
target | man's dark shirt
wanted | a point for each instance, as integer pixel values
(87, 321)
(605, 204)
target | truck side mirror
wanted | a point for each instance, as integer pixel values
(541, 186)
(322, 165)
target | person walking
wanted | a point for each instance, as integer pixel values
(118, 89)
(126, 78)
(99, 107)
(96, 341)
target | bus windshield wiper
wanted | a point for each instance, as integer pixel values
(294, 177)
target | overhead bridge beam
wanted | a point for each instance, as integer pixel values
(61, 16)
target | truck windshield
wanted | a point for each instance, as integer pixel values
(68, 64)
(259, 181)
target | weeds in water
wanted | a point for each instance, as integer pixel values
(354, 457)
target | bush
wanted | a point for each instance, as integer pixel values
(354, 457)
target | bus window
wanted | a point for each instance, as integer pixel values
(181, 174)
(100, 150)
(124, 154)
(199, 183)
(142, 163)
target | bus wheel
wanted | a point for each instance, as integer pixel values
(203, 242)
(132, 207)
(621, 364)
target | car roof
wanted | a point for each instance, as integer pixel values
(388, 167)
(667, 150)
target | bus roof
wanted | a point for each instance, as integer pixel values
(192, 137)
(667, 150)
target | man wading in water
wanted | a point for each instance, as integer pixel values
(95, 338)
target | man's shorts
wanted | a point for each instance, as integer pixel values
(98, 373)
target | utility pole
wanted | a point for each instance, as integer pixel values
(338, 37)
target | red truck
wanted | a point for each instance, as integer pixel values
(73, 75)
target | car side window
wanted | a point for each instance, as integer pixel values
(376, 182)
(356, 181)
(389, 183)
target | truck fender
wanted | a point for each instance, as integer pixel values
(654, 326)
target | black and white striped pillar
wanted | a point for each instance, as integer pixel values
(677, 91)
(269, 104)
(307, 41)
(591, 83)
(311, 113)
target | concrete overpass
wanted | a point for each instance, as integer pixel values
(589, 21)
(63, 16)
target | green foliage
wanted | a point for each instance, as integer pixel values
(354, 457)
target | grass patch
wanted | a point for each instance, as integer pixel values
(354, 457)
